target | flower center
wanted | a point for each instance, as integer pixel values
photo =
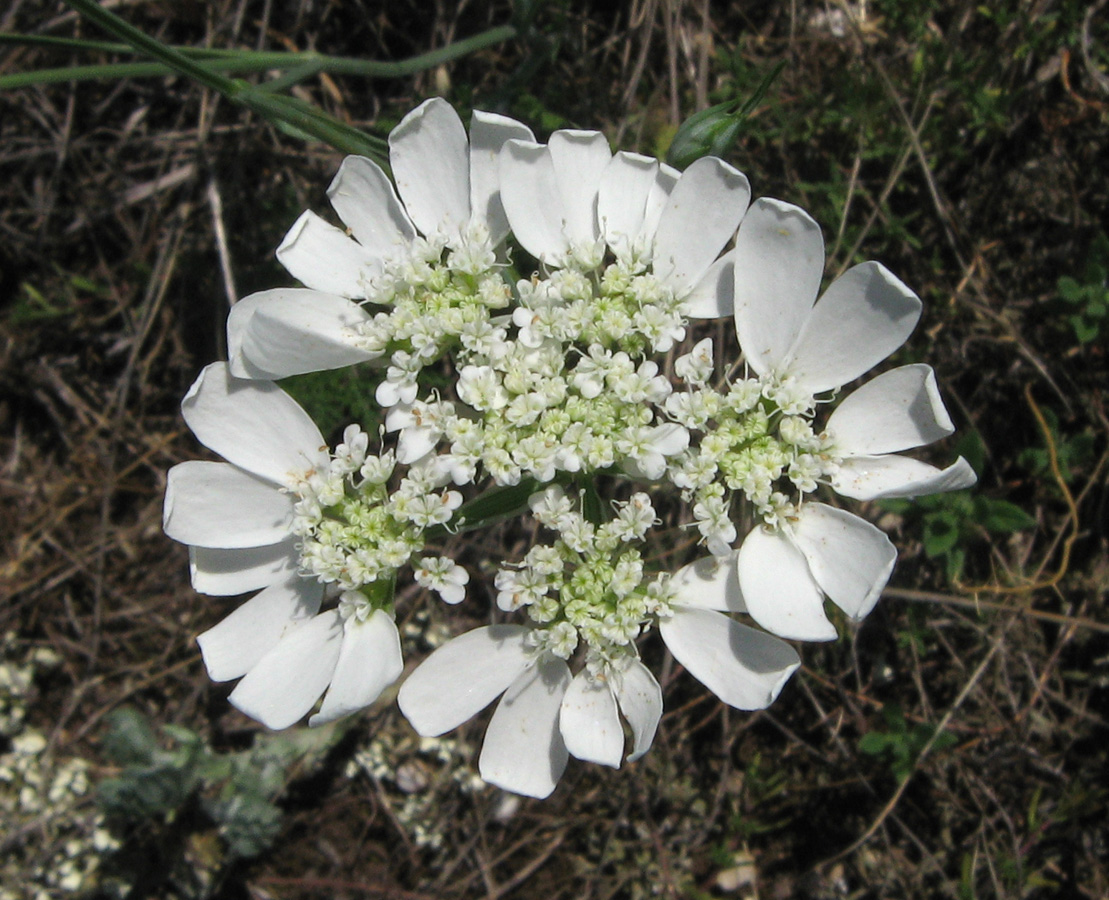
(354, 531)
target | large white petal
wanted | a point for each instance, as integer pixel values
(744, 667)
(324, 258)
(463, 677)
(779, 261)
(622, 198)
(659, 196)
(286, 683)
(523, 750)
(589, 722)
(871, 477)
(213, 504)
(369, 661)
(223, 572)
(898, 410)
(488, 133)
(714, 295)
(700, 217)
(253, 424)
(289, 331)
(864, 316)
(529, 194)
(234, 646)
(850, 559)
(430, 156)
(779, 590)
(640, 700)
(363, 196)
(711, 582)
(579, 159)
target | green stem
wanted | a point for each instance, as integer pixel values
(229, 61)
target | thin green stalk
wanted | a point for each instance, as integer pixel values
(141, 41)
(209, 68)
(235, 61)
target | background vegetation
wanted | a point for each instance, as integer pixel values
(953, 746)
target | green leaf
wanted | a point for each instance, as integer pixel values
(1083, 330)
(971, 447)
(492, 506)
(714, 131)
(941, 533)
(1003, 516)
(875, 743)
(130, 741)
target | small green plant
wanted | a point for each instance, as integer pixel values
(899, 745)
(236, 790)
(1073, 452)
(1088, 298)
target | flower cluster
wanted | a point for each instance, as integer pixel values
(570, 374)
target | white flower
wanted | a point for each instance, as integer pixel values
(238, 519)
(444, 576)
(744, 667)
(449, 188)
(572, 195)
(544, 714)
(800, 349)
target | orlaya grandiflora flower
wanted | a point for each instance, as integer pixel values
(449, 187)
(238, 519)
(803, 348)
(546, 715)
(567, 199)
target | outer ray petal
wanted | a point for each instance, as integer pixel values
(700, 217)
(369, 661)
(871, 477)
(898, 410)
(714, 295)
(850, 559)
(430, 157)
(253, 424)
(529, 192)
(212, 504)
(463, 677)
(234, 646)
(283, 332)
(223, 572)
(744, 667)
(488, 133)
(779, 261)
(365, 200)
(579, 159)
(622, 199)
(285, 683)
(779, 590)
(864, 316)
(640, 700)
(710, 583)
(523, 750)
(589, 722)
(323, 258)
(659, 196)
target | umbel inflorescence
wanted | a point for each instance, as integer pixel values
(576, 370)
